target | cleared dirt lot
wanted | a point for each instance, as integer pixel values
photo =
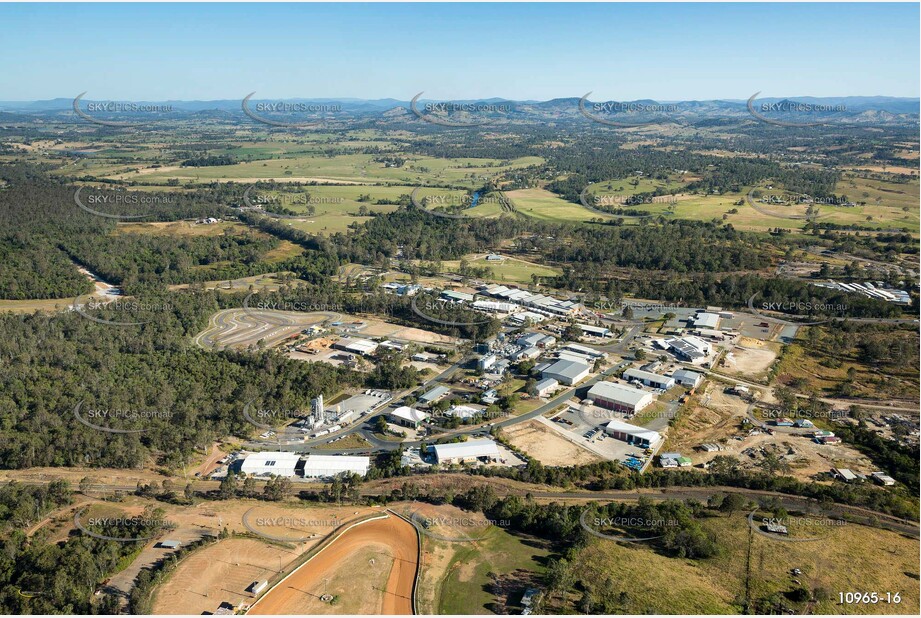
(352, 567)
(547, 446)
(220, 573)
(750, 358)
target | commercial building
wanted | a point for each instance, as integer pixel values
(620, 397)
(686, 377)
(649, 378)
(567, 372)
(631, 434)
(326, 466)
(545, 387)
(270, 463)
(469, 451)
(407, 417)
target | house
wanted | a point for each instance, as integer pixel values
(844, 474)
(620, 397)
(883, 478)
(492, 257)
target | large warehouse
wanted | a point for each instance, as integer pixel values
(325, 466)
(566, 372)
(631, 434)
(619, 397)
(469, 451)
(268, 463)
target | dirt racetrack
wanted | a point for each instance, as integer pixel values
(349, 569)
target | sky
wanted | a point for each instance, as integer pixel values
(666, 52)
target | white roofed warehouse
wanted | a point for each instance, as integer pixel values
(631, 434)
(567, 372)
(270, 463)
(619, 397)
(327, 466)
(407, 417)
(469, 451)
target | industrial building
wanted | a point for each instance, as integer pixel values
(686, 377)
(485, 362)
(270, 463)
(620, 397)
(407, 417)
(326, 466)
(545, 387)
(631, 434)
(359, 405)
(706, 320)
(595, 331)
(469, 451)
(434, 395)
(689, 348)
(649, 378)
(567, 372)
(364, 347)
(456, 297)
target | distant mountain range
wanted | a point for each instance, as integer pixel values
(853, 106)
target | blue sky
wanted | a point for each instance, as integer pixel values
(456, 51)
